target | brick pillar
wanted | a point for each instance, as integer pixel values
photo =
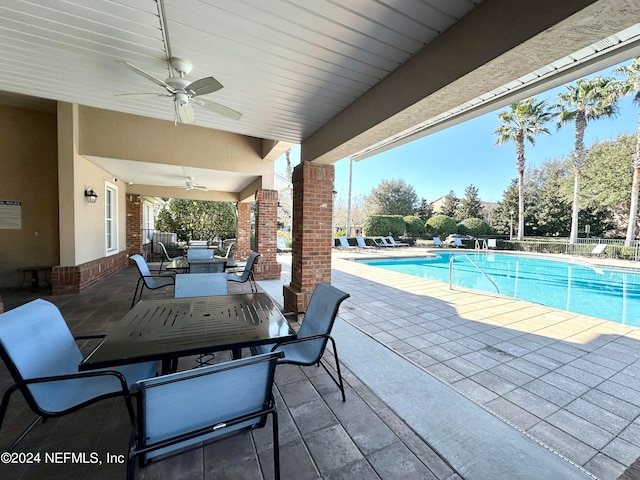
(134, 225)
(311, 233)
(243, 231)
(267, 267)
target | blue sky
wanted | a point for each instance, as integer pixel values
(466, 154)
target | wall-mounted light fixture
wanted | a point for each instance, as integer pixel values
(90, 195)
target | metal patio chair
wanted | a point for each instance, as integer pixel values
(177, 412)
(247, 273)
(42, 357)
(314, 333)
(147, 279)
(166, 257)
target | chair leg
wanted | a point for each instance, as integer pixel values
(276, 446)
(252, 282)
(337, 381)
(135, 292)
(25, 433)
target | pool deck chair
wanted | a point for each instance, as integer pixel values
(385, 243)
(344, 244)
(393, 243)
(166, 257)
(437, 242)
(42, 357)
(458, 243)
(281, 245)
(598, 250)
(362, 244)
(492, 243)
(177, 412)
(308, 348)
(152, 282)
(247, 273)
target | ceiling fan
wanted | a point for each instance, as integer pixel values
(183, 92)
(191, 184)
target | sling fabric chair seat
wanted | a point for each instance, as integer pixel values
(178, 412)
(152, 282)
(308, 348)
(247, 272)
(43, 357)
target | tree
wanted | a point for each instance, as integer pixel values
(470, 206)
(521, 124)
(502, 214)
(393, 197)
(475, 227)
(441, 225)
(414, 226)
(585, 101)
(198, 220)
(450, 205)
(425, 211)
(631, 86)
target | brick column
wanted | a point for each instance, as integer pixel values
(311, 233)
(243, 231)
(134, 225)
(266, 232)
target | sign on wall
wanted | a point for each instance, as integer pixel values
(10, 214)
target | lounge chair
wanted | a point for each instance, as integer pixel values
(457, 242)
(152, 282)
(362, 244)
(281, 245)
(247, 273)
(344, 243)
(437, 242)
(598, 250)
(492, 243)
(396, 244)
(307, 349)
(177, 412)
(385, 243)
(42, 358)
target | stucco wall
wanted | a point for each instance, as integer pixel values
(28, 166)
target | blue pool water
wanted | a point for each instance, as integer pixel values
(607, 293)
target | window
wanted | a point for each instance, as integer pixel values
(111, 218)
(147, 214)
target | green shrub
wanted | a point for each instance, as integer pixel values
(376, 225)
(414, 226)
(441, 225)
(474, 226)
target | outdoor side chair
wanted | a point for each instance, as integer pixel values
(43, 357)
(179, 411)
(309, 346)
(247, 273)
(152, 282)
(166, 257)
(281, 245)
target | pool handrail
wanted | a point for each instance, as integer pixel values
(474, 264)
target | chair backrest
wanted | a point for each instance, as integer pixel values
(248, 266)
(35, 341)
(457, 242)
(384, 241)
(207, 267)
(343, 242)
(320, 316)
(360, 241)
(281, 243)
(598, 249)
(198, 243)
(491, 243)
(229, 250)
(437, 241)
(187, 402)
(392, 240)
(199, 254)
(164, 251)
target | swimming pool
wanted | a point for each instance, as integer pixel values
(607, 293)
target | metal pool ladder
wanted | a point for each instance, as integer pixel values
(474, 264)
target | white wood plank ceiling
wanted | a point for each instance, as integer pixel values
(288, 66)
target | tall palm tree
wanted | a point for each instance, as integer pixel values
(585, 101)
(631, 86)
(521, 123)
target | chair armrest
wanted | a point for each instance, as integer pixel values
(172, 276)
(299, 340)
(292, 314)
(73, 376)
(88, 337)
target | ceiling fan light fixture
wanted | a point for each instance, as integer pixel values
(182, 98)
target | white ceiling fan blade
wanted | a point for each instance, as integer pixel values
(184, 112)
(204, 86)
(147, 75)
(143, 95)
(217, 108)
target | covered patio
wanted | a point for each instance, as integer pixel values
(441, 384)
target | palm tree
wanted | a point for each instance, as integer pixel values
(522, 122)
(631, 86)
(585, 101)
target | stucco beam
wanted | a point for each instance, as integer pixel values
(248, 194)
(497, 42)
(273, 149)
(169, 192)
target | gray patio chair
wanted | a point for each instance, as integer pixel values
(147, 279)
(178, 412)
(42, 357)
(166, 257)
(281, 245)
(246, 273)
(308, 348)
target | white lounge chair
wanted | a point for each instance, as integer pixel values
(598, 249)
(492, 243)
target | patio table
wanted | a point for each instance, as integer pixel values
(200, 284)
(177, 327)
